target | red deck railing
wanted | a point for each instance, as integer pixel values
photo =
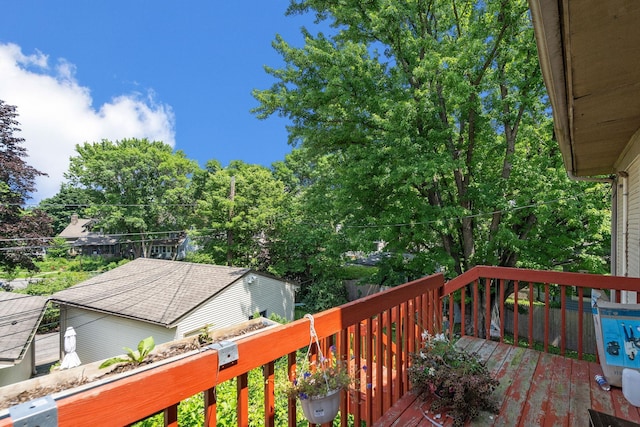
(379, 331)
(484, 283)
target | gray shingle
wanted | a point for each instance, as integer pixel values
(19, 318)
(157, 291)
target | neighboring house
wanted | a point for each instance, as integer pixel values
(97, 244)
(77, 228)
(84, 241)
(20, 316)
(590, 59)
(168, 300)
(174, 247)
(79, 235)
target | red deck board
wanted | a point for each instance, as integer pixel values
(622, 408)
(560, 389)
(516, 393)
(396, 411)
(580, 395)
(501, 366)
(535, 405)
(535, 389)
(600, 399)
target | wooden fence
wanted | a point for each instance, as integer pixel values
(555, 327)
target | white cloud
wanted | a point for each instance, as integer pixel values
(56, 113)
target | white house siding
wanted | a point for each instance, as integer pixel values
(19, 372)
(628, 246)
(100, 336)
(616, 230)
(633, 221)
(237, 302)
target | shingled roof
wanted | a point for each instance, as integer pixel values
(78, 227)
(151, 290)
(20, 316)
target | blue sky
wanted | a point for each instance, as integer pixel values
(181, 72)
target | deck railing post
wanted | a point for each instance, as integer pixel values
(171, 416)
(516, 314)
(291, 404)
(546, 317)
(388, 395)
(463, 312)
(487, 313)
(404, 310)
(580, 320)
(268, 372)
(451, 317)
(369, 371)
(476, 307)
(342, 353)
(563, 315)
(210, 408)
(243, 400)
(357, 359)
(502, 313)
(530, 315)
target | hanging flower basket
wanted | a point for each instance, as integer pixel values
(323, 409)
(318, 383)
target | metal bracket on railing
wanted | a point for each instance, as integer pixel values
(227, 353)
(41, 412)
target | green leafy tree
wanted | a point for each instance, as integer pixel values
(433, 118)
(138, 187)
(238, 208)
(58, 248)
(434, 126)
(307, 245)
(23, 233)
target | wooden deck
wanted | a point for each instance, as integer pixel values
(536, 389)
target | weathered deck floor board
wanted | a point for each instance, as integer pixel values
(535, 389)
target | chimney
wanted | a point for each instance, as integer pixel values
(74, 219)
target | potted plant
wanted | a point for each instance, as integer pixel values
(318, 382)
(460, 382)
(318, 385)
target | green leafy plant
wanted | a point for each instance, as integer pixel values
(203, 335)
(135, 357)
(460, 381)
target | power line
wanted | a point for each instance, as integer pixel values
(102, 205)
(46, 240)
(459, 218)
(140, 233)
(195, 232)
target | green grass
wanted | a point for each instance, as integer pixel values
(352, 272)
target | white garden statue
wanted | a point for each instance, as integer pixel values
(71, 359)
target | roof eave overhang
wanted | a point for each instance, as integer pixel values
(112, 313)
(547, 20)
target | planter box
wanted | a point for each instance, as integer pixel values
(90, 375)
